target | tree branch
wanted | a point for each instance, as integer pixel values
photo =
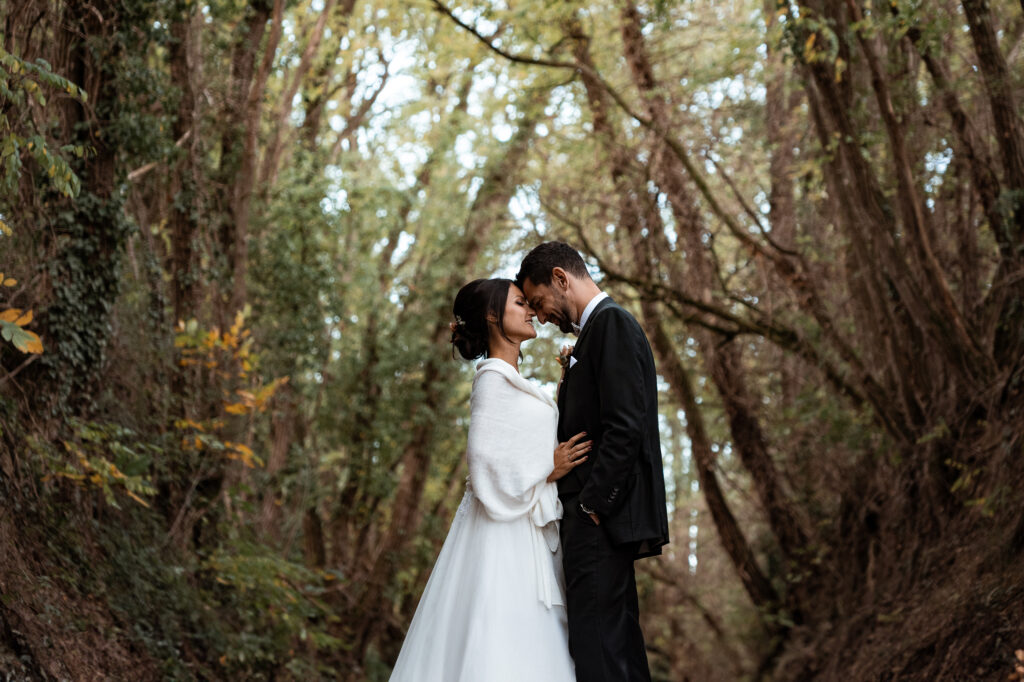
(518, 59)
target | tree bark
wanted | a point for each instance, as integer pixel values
(183, 222)
(238, 144)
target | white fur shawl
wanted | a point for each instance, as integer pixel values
(512, 439)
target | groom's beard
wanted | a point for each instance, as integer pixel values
(565, 317)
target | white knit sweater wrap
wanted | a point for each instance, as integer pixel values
(512, 438)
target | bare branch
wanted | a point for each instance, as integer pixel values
(488, 42)
(142, 170)
(14, 372)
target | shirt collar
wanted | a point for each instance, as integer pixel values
(590, 308)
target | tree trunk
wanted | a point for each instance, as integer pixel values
(238, 146)
(183, 223)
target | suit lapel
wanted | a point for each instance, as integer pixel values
(600, 307)
(579, 347)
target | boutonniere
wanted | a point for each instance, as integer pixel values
(565, 357)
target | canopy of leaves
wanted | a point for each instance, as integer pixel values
(231, 423)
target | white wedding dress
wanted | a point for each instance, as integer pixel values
(493, 609)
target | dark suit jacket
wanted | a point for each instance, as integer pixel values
(611, 393)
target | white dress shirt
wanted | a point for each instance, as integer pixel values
(590, 308)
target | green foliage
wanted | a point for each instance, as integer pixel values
(108, 457)
(152, 591)
(241, 611)
(137, 115)
(277, 605)
(296, 280)
(87, 270)
(245, 429)
(24, 84)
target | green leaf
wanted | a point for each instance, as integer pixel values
(23, 340)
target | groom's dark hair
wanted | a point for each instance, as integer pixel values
(542, 259)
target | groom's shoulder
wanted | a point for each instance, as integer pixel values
(614, 324)
(610, 313)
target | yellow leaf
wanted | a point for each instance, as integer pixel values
(26, 318)
(9, 282)
(5, 228)
(810, 42)
(244, 454)
(10, 315)
(236, 408)
(33, 345)
(137, 498)
(244, 449)
(237, 326)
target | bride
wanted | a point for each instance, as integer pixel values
(494, 606)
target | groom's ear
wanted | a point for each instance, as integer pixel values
(560, 278)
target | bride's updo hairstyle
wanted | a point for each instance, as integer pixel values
(475, 302)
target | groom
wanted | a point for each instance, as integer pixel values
(615, 502)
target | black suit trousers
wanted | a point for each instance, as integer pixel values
(605, 639)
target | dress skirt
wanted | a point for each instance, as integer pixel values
(480, 618)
